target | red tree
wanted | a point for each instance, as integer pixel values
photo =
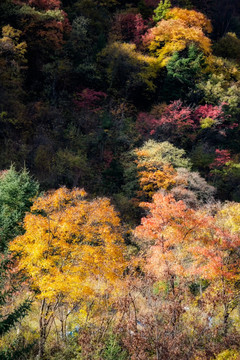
(129, 27)
(89, 99)
(222, 158)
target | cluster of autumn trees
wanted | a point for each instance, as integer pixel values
(85, 82)
(137, 103)
(87, 285)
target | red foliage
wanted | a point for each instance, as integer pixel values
(140, 28)
(208, 111)
(175, 117)
(152, 3)
(146, 124)
(52, 32)
(89, 99)
(179, 116)
(222, 121)
(44, 32)
(107, 157)
(129, 27)
(222, 157)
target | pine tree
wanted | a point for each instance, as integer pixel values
(9, 285)
(17, 189)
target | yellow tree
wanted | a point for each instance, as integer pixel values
(229, 217)
(155, 177)
(157, 163)
(72, 251)
(9, 43)
(180, 29)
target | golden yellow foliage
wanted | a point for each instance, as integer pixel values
(10, 42)
(191, 18)
(152, 178)
(229, 217)
(182, 28)
(72, 247)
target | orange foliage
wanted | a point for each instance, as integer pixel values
(187, 243)
(153, 178)
(171, 228)
(191, 18)
(156, 164)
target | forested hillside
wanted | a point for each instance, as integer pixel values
(119, 180)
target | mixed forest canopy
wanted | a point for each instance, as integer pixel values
(119, 179)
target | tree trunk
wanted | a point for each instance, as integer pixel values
(42, 326)
(45, 323)
(41, 349)
(225, 321)
(63, 329)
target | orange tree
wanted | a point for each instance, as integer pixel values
(183, 246)
(186, 243)
(171, 228)
(72, 251)
(165, 236)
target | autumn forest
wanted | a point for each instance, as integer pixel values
(119, 180)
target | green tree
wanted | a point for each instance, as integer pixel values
(9, 284)
(154, 153)
(161, 10)
(217, 89)
(183, 69)
(228, 47)
(17, 189)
